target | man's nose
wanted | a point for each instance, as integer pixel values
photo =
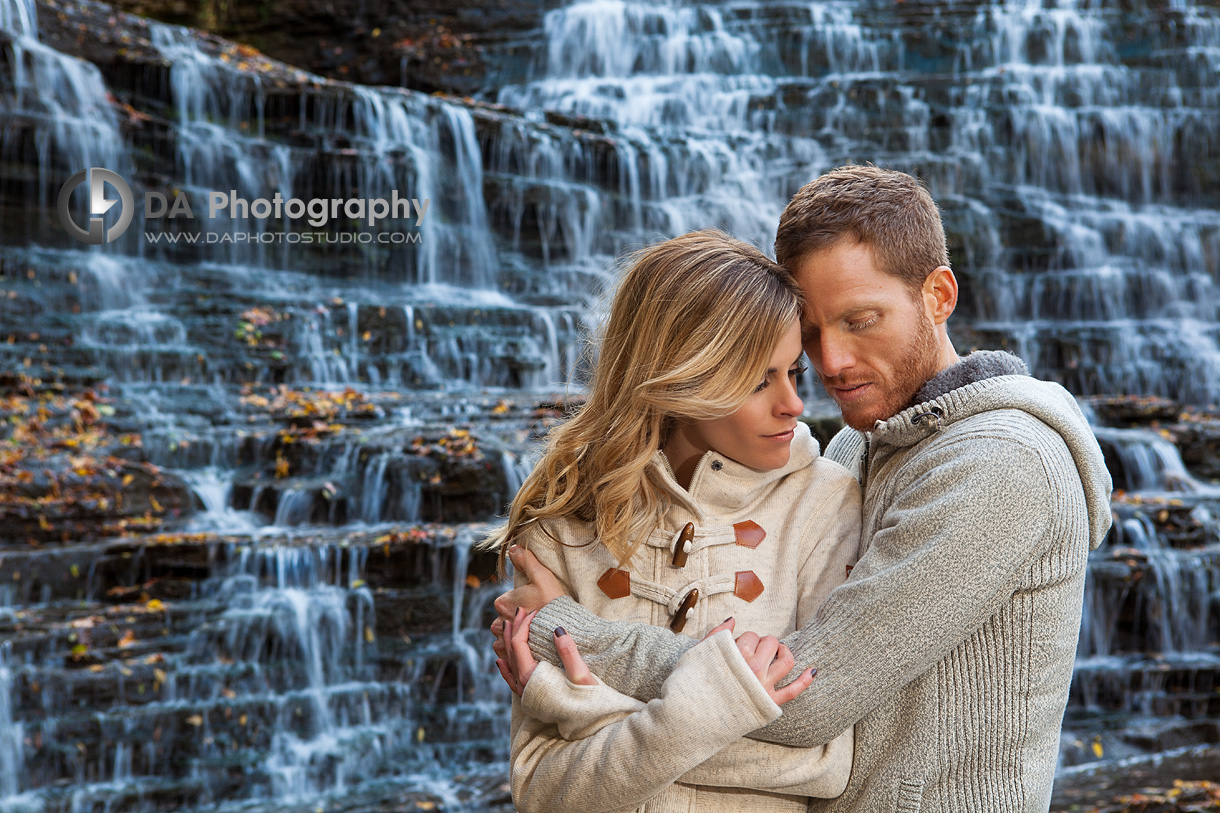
(832, 355)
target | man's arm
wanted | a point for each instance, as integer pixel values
(947, 555)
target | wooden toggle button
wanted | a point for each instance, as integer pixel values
(683, 545)
(684, 609)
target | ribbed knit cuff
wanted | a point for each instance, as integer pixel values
(563, 612)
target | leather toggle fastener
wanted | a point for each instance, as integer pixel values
(684, 609)
(683, 544)
(747, 585)
(749, 533)
(615, 583)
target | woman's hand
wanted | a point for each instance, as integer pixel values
(541, 588)
(770, 661)
(519, 665)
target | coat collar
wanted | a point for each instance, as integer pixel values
(721, 485)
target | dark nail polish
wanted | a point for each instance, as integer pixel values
(813, 673)
(727, 620)
(559, 631)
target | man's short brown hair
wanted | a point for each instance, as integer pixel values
(890, 211)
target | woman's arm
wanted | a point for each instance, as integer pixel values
(712, 698)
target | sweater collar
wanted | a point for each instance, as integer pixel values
(949, 396)
(978, 366)
(1044, 400)
(721, 485)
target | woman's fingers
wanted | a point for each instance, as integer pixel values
(573, 665)
(507, 674)
(789, 692)
(771, 661)
(520, 660)
(726, 624)
(747, 642)
(782, 663)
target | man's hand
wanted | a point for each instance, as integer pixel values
(543, 587)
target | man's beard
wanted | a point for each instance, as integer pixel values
(917, 366)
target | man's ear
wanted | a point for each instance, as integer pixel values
(940, 294)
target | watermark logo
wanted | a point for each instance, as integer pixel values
(276, 219)
(99, 205)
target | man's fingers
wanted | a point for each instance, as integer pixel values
(573, 665)
(525, 561)
(726, 624)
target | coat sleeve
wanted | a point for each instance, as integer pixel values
(581, 711)
(953, 544)
(711, 699)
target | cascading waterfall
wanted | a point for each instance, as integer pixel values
(1076, 172)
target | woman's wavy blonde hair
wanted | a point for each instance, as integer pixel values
(691, 331)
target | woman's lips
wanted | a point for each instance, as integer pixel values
(784, 436)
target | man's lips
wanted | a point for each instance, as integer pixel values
(848, 392)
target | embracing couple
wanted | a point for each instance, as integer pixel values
(906, 604)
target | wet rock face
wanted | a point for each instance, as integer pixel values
(457, 47)
(67, 472)
(1195, 432)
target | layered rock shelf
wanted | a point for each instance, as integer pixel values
(245, 461)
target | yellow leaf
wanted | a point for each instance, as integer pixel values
(1097, 748)
(370, 636)
(127, 478)
(472, 581)
(419, 735)
(160, 675)
(195, 720)
(155, 604)
(357, 583)
(128, 639)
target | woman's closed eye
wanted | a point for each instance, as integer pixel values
(793, 371)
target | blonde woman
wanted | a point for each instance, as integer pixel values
(685, 491)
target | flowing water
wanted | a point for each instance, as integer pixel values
(304, 654)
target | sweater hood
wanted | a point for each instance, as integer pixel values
(1044, 400)
(721, 485)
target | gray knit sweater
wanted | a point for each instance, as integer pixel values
(951, 645)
